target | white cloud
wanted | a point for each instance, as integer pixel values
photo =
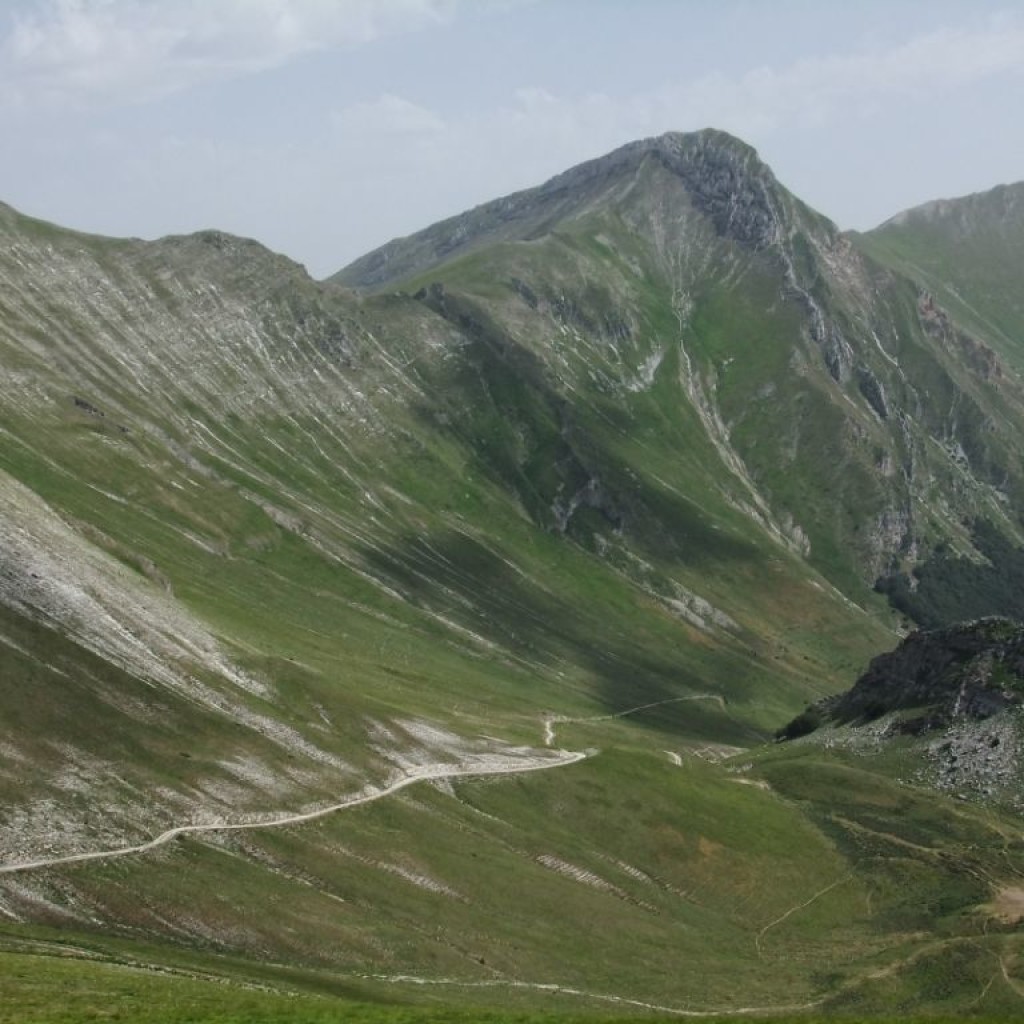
(807, 92)
(128, 50)
(387, 116)
(932, 63)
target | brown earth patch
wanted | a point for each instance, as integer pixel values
(707, 847)
(1008, 904)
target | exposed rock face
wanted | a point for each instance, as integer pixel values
(728, 183)
(967, 672)
(957, 696)
(873, 391)
(971, 670)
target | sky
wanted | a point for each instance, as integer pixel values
(323, 128)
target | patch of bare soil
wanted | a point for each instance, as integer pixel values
(1007, 905)
(759, 783)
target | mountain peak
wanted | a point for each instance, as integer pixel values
(706, 142)
(724, 177)
(691, 149)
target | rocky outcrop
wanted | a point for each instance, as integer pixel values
(727, 182)
(953, 699)
(873, 391)
(970, 671)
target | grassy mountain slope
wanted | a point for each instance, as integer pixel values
(966, 257)
(797, 879)
(201, 442)
(968, 253)
(607, 466)
(855, 421)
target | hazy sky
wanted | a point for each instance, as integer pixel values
(325, 127)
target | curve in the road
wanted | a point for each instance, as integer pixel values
(550, 721)
(426, 773)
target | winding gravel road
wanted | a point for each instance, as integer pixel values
(493, 766)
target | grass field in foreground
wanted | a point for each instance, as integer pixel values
(790, 877)
(47, 989)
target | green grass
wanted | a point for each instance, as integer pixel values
(522, 881)
(364, 502)
(969, 256)
(56, 989)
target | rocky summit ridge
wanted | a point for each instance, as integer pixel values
(727, 179)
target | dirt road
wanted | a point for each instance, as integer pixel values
(486, 765)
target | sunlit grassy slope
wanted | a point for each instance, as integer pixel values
(795, 881)
(616, 475)
(968, 252)
(355, 510)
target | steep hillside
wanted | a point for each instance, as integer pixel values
(969, 253)
(831, 400)
(295, 512)
(967, 256)
(422, 638)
